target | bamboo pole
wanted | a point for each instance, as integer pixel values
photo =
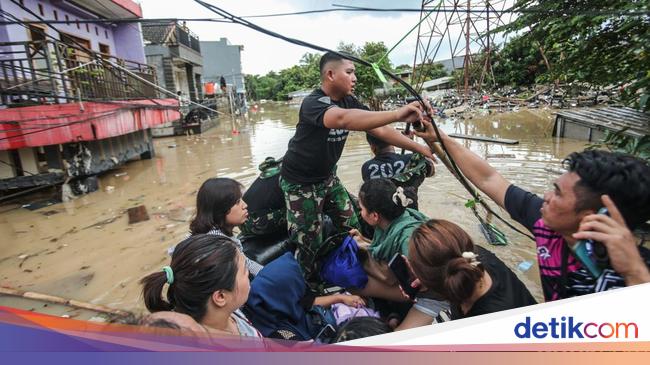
(63, 301)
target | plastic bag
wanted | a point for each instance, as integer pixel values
(343, 268)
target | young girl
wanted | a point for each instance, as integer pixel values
(445, 260)
(383, 206)
(219, 209)
(208, 281)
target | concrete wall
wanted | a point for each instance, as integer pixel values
(28, 160)
(6, 171)
(128, 38)
(220, 58)
(125, 40)
(157, 61)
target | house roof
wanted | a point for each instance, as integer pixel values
(156, 33)
(436, 82)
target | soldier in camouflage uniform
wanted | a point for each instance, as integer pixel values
(306, 205)
(308, 180)
(267, 213)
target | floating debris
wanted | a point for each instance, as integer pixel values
(181, 214)
(500, 155)
(525, 266)
(138, 214)
(484, 139)
(42, 204)
(555, 170)
(100, 224)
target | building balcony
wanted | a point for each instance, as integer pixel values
(177, 38)
(53, 72)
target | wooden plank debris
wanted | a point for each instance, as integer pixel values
(485, 139)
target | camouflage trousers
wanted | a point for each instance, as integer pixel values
(306, 205)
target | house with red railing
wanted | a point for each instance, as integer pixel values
(76, 95)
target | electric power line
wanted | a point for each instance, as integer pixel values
(458, 174)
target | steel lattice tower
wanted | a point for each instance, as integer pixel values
(458, 29)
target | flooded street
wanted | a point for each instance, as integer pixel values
(86, 250)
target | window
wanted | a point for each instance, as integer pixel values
(67, 19)
(104, 49)
(40, 9)
(56, 15)
(106, 33)
(37, 36)
(78, 25)
(96, 31)
(87, 28)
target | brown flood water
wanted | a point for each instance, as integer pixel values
(86, 250)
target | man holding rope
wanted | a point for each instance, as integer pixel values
(567, 213)
(308, 175)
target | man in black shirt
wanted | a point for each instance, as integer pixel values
(566, 214)
(308, 177)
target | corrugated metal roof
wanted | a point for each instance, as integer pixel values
(612, 118)
(437, 82)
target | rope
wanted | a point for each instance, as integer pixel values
(461, 178)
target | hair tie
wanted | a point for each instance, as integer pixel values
(472, 257)
(169, 273)
(403, 201)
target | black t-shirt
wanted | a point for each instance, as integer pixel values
(385, 165)
(314, 150)
(506, 292)
(264, 195)
(523, 206)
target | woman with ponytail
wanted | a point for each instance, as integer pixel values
(207, 279)
(474, 281)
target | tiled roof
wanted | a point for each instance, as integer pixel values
(156, 33)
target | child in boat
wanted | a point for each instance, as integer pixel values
(219, 209)
(207, 279)
(384, 206)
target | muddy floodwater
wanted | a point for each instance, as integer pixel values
(86, 250)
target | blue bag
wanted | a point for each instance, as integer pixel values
(343, 268)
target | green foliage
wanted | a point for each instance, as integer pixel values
(306, 75)
(518, 63)
(367, 80)
(277, 86)
(620, 142)
(583, 44)
(428, 71)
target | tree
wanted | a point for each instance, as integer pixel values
(519, 63)
(348, 48)
(591, 41)
(428, 71)
(367, 78)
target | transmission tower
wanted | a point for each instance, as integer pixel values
(458, 30)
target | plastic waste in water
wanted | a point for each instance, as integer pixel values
(525, 266)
